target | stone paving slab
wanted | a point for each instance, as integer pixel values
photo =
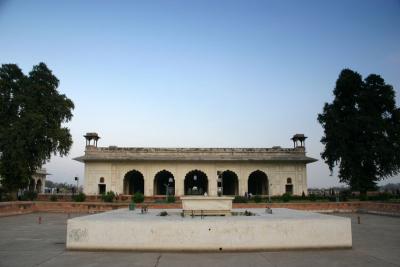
(24, 242)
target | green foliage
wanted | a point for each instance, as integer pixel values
(384, 197)
(171, 199)
(296, 197)
(6, 197)
(332, 198)
(108, 197)
(286, 197)
(32, 115)
(239, 199)
(29, 196)
(138, 197)
(381, 197)
(344, 195)
(303, 195)
(363, 197)
(312, 197)
(361, 131)
(2, 193)
(257, 199)
(53, 198)
(81, 197)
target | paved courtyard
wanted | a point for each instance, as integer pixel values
(24, 242)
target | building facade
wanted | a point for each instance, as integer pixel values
(195, 171)
(38, 181)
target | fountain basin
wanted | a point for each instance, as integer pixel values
(283, 229)
(201, 205)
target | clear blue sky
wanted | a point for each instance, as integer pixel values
(201, 73)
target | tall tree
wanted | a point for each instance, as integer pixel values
(361, 130)
(32, 113)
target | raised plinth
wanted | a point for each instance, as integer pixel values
(201, 205)
(283, 229)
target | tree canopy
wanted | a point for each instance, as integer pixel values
(32, 113)
(361, 130)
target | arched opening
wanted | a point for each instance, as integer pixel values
(164, 183)
(258, 183)
(133, 182)
(289, 186)
(102, 186)
(230, 183)
(39, 186)
(196, 183)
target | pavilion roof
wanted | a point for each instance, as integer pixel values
(274, 154)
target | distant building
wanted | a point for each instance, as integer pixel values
(188, 171)
(38, 181)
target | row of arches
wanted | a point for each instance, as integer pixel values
(195, 183)
(35, 185)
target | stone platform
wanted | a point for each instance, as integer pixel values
(200, 205)
(283, 229)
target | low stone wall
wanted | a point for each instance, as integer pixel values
(380, 208)
(23, 207)
(15, 208)
(95, 198)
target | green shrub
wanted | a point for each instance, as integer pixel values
(163, 213)
(295, 197)
(303, 196)
(171, 199)
(312, 197)
(384, 196)
(138, 197)
(239, 199)
(108, 197)
(363, 197)
(53, 198)
(257, 199)
(286, 197)
(332, 198)
(380, 197)
(4, 195)
(276, 198)
(7, 197)
(29, 195)
(344, 195)
(81, 197)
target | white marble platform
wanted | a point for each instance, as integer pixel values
(207, 205)
(283, 229)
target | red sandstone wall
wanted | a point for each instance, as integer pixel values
(22, 207)
(14, 208)
(96, 198)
